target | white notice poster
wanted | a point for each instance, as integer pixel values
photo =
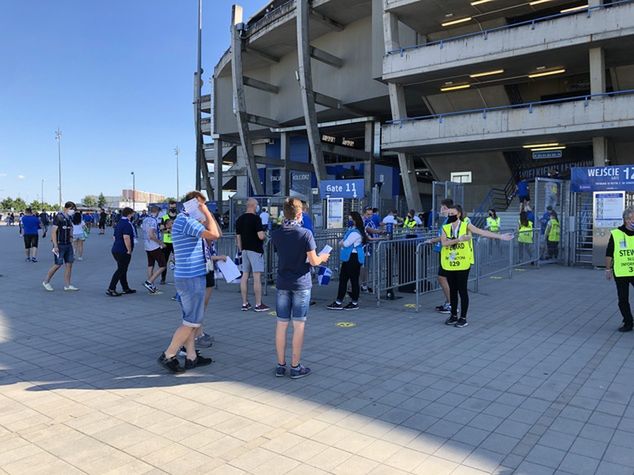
(335, 213)
(608, 209)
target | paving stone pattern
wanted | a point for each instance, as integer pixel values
(539, 382)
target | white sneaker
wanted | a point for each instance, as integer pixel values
(48, 286)
(70, 288)
(80, 258)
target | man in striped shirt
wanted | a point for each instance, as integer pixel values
(189, 279)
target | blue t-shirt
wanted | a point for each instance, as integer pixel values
(530, 216)
(376, 219)
(522, 188)
(308, 223)
(30, 224)
(124, 228)
(293, 272)
(188, 248)
(438, 245)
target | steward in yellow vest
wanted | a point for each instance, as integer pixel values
(458, 256)
(525, 233)
(619, 261)
(493, 222)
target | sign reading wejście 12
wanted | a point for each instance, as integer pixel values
(343, 188)
(616, 178)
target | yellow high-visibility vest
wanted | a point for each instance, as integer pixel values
(167, 235)
(459, 256)
(623, 254)
(409, 223)
(525, 234)
(493, 224)
(555, 231)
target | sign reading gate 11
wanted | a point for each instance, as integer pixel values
(615, 178)
(343, 188)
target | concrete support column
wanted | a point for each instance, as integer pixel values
(598, 86)
(595, 3)
(239, 101)
(217, 186)
(368, 166)
(285, 155)
(306, 88)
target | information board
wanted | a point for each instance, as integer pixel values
(334, 219)
(615, 178)
(608, 209)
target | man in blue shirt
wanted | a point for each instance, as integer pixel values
(295, 247)
(30, 224)
(307, 221)
(190, 281)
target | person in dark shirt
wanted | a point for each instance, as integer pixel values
(124, 239)
(30, 227)
(249, 239)
(103, 217)
(45, 222)
(295, 247)
(62, 237)
(619, 263)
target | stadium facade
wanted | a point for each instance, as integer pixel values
(404, 92)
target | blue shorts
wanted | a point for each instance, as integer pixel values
(66, 254)
(292, 303)
(191, 294)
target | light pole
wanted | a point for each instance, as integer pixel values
(58, 137)
(178, 191)
(133, 192)
(42, 193)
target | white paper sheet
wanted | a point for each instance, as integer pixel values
(229, 270)
(193, 210)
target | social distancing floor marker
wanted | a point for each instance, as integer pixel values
(273, 313)
(519, 270)
(496, 277)
(346, 324)
(410, 305)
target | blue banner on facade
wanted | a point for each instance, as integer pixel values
(353, 188)
(616, 178)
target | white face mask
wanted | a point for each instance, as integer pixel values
(71, 212)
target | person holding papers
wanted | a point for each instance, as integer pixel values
(295, 248)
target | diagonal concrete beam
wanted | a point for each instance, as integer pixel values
(306, 88)
(335, 103)
(269, 58)
(261, 85)
(259, 120)
(323, 56)
(239, 101)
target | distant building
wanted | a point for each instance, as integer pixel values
(141, 200)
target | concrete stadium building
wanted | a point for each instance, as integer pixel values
(404, 92)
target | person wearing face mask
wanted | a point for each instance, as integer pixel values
(442, 274)
(168, 249)
(456, 258)
(122, 248)
(62, 237)
(493, 222)
(153, 248)
(619, 263)
(352, 257)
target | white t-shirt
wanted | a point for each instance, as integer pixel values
(389, 219)
(78, 229)
(150, 222)
(353, 239)
(264, 216)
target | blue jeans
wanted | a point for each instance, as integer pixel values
(292, 303)
(192, 298)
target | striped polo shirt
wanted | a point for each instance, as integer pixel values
(188, 249)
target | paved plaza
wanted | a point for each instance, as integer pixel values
(540, 382)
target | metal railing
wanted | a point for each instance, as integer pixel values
(524, 105)
(484, 33)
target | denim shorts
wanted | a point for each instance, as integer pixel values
(292, 303)
(65, 254)
(192, 298)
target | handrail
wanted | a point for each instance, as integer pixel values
(530, 105)
(587, 11)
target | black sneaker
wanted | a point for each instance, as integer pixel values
(351, 306)
(112, 293)
(170, 364)
(451, 320)
(444, 308)
(335, 306)
(280, 370)
(129, 291)
(149, 286)
(199, 361)
(625, 328)
(461, 323)
(246, 307)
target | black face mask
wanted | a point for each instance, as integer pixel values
(172, 210)
(452, 219)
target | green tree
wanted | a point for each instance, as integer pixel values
(101, 200)
(7, 203)
(168, 199)
(19, 204)
(90, 201)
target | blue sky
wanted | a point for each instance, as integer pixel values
(117, 77)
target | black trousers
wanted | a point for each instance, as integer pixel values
(167, 250)
(350, 271)
(623, 293)
(458, 281)
(121, 274)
